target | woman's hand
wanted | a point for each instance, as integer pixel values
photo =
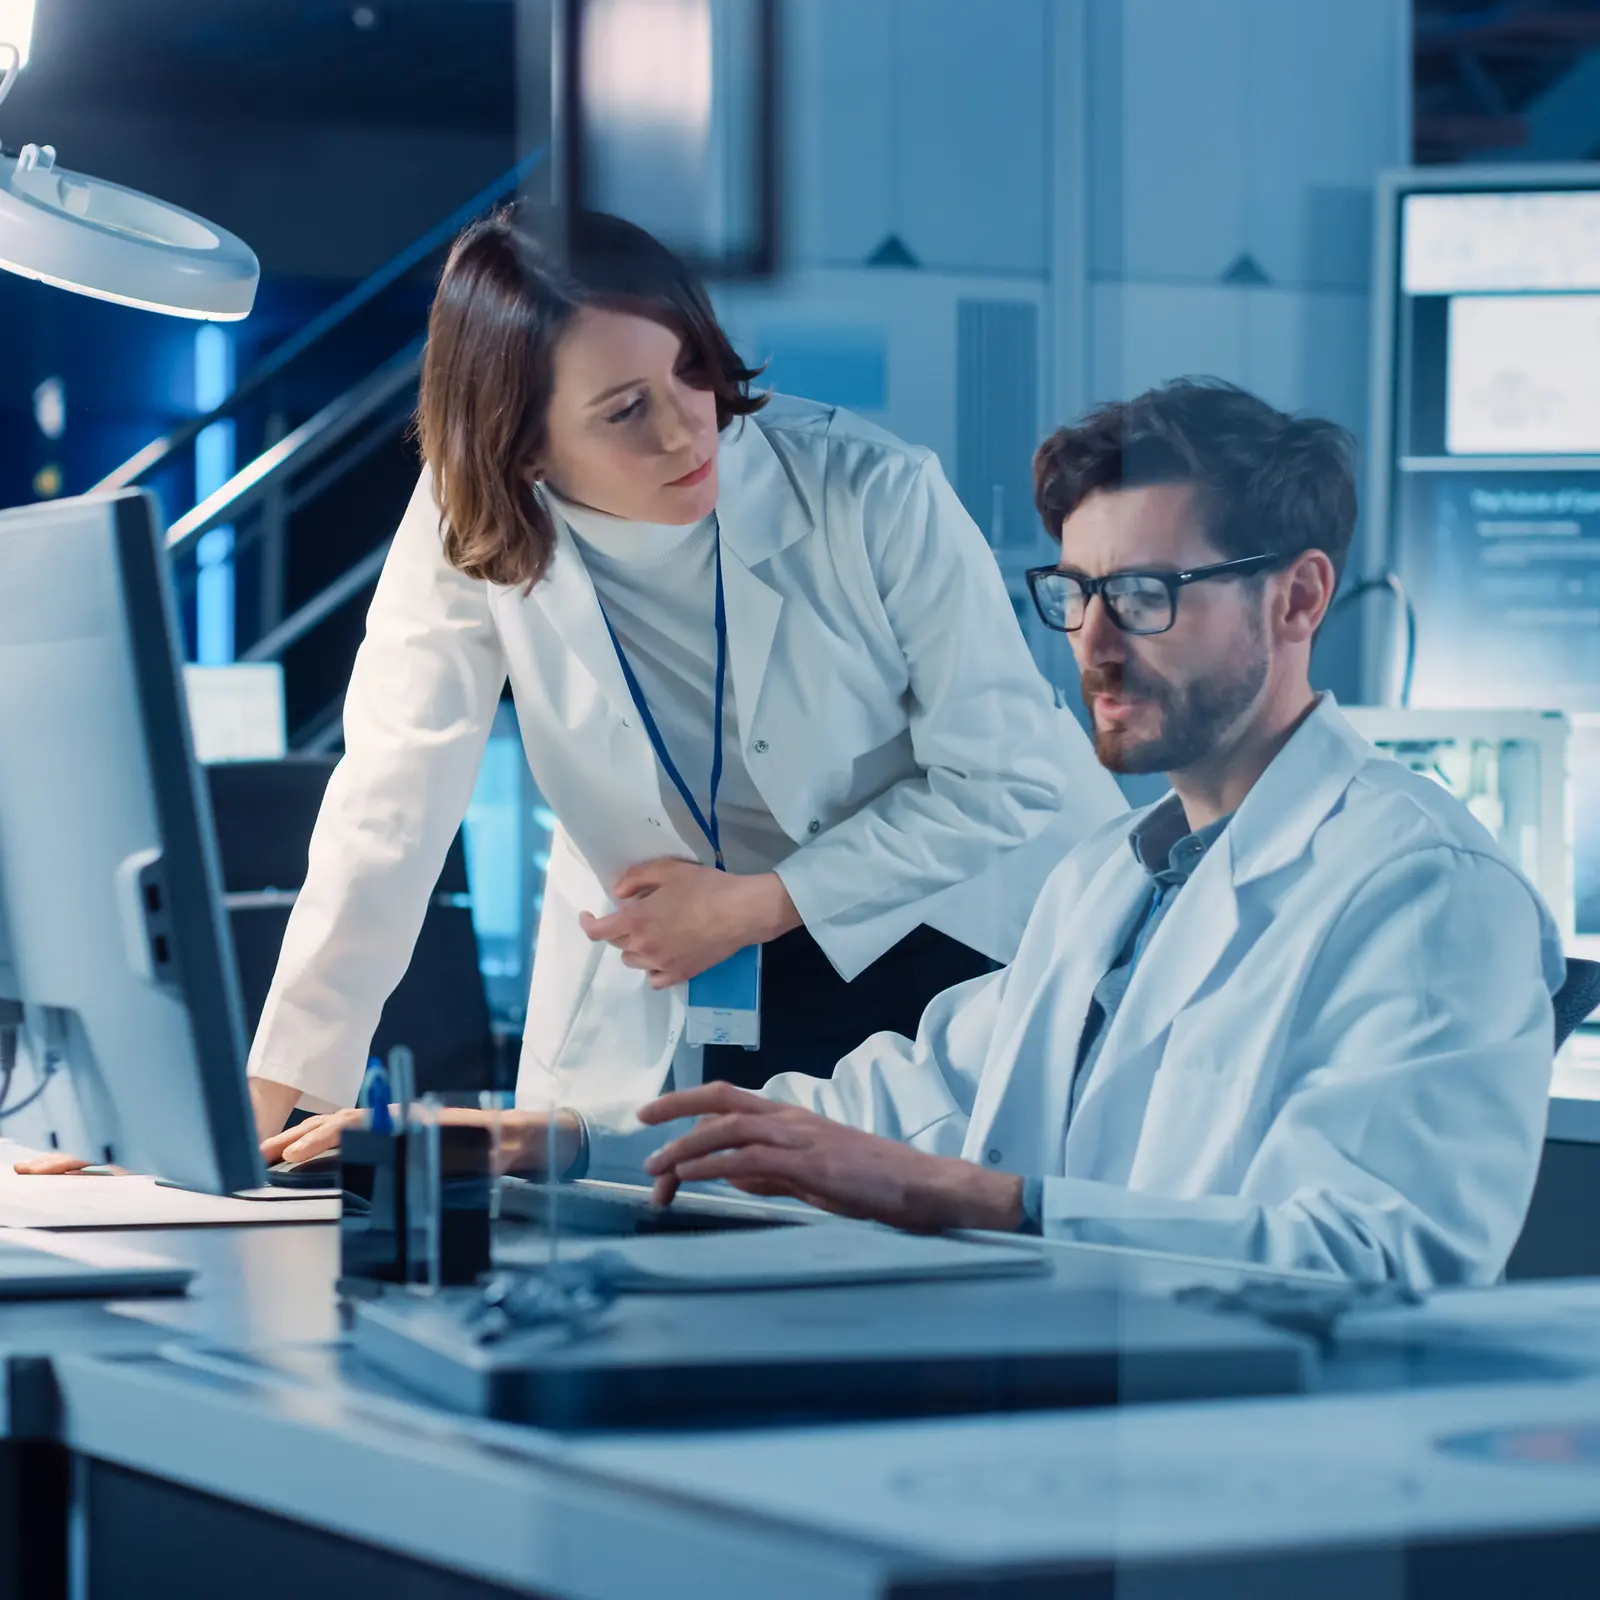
(679, 918)
(521, 1138)
(271, 1102)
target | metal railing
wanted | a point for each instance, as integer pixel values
(139, 467)
(391, 388)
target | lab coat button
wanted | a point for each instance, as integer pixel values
(760, 747)
(813, 826)
(994, 1158)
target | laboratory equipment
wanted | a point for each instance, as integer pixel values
(132, 1044)
(1510, 770)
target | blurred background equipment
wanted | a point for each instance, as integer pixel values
(669, 117)
(1510, 770)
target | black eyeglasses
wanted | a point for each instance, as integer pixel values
(1139, 601)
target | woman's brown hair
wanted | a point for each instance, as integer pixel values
(503, 303)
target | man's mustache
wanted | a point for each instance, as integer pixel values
(1115, 678)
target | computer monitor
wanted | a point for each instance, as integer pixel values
(133, 1042)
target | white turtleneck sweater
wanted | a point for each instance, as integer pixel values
(658, 584)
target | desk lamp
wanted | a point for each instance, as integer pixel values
(100, 239)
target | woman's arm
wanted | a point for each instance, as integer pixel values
(417, 715)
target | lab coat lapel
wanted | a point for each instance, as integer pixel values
(1272, 829)
(760, 510)
(1183, 953)
(567, 599)
(1056, 969)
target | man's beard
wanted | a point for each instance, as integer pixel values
(1195, 716)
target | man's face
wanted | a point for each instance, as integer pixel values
(1169, 701)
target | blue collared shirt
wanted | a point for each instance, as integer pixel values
(1163, 845)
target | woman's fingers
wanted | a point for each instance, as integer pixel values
(604, 929)
(52, 1165)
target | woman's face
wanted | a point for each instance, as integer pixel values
(627, 432)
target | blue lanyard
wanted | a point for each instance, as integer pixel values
(663, 755)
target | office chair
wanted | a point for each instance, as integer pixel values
(264, 813)
(1578, 998)
(1557, 1240)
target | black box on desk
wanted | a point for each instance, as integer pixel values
(421, 1211)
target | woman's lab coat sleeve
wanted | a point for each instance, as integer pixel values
(1411, 1113)
(993, 747)
(417, 716)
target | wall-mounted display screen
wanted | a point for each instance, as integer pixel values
(1494, 491)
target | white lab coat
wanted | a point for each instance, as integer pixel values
(1335, 1052)
(893, 722)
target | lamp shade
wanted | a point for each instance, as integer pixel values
(101, 239)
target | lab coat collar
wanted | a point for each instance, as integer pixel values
(761, 506)
(1274, 825)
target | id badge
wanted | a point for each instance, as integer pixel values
(725, 1001)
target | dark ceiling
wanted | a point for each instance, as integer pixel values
(449, 64)
(421, 64)
(1479, 67)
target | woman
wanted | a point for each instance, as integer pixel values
(613, 518)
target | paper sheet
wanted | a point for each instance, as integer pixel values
(134, 1201)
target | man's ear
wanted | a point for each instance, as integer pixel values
(1306, 589)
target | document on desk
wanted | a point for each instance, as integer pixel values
(792, 1258)
(78, 1200)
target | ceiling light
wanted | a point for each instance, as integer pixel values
(16, 27)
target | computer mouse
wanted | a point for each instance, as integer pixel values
(315, 1172)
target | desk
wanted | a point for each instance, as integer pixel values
(269, 1282)
(277, 1469)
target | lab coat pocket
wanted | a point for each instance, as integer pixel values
(1196, 1120)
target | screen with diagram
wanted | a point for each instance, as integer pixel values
(1496, 489)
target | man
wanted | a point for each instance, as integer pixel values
(1296, 1013)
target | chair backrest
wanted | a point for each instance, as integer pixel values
(264, 812)
(1578, 998)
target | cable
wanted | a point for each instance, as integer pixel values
(1389, 581)
(11, 1020)
(22, 1105)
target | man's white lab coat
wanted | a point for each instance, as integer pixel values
(1335, 1052)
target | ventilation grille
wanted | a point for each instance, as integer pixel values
(997, 387)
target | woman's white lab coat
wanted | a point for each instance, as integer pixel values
(892, 719)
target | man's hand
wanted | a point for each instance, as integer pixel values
(678, 918)
(521, 1138)
(766, 1148)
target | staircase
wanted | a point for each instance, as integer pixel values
(329, 468)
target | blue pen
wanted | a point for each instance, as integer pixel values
(375, 1096)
